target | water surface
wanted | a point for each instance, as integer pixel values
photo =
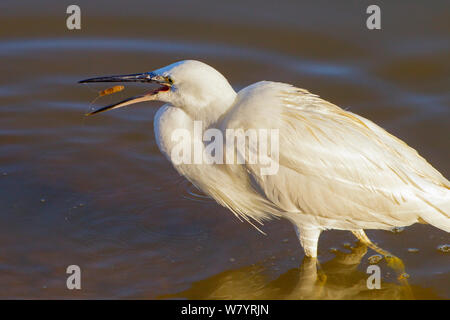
(96, 192)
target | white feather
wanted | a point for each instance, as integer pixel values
(337, 170)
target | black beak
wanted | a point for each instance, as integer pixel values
(136, 77)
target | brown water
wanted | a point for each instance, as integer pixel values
(97, 193)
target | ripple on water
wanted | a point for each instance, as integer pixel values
(375, 259)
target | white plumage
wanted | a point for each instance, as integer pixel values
(337, 170)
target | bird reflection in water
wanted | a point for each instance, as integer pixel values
(342, 277)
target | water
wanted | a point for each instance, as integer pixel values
(97, 193)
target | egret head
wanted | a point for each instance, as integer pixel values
(191, 85)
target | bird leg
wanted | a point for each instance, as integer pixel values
(309, 238)
(354, 257)
(311, 272)
(392, 261)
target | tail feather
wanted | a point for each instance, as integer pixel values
(439, 215)
(439, 222)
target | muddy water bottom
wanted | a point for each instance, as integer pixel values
(97, 193)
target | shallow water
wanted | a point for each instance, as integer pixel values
(96, 192)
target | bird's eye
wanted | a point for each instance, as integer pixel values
(169, 80)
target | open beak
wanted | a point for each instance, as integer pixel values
(137, 77)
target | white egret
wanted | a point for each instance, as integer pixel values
(337, 170)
